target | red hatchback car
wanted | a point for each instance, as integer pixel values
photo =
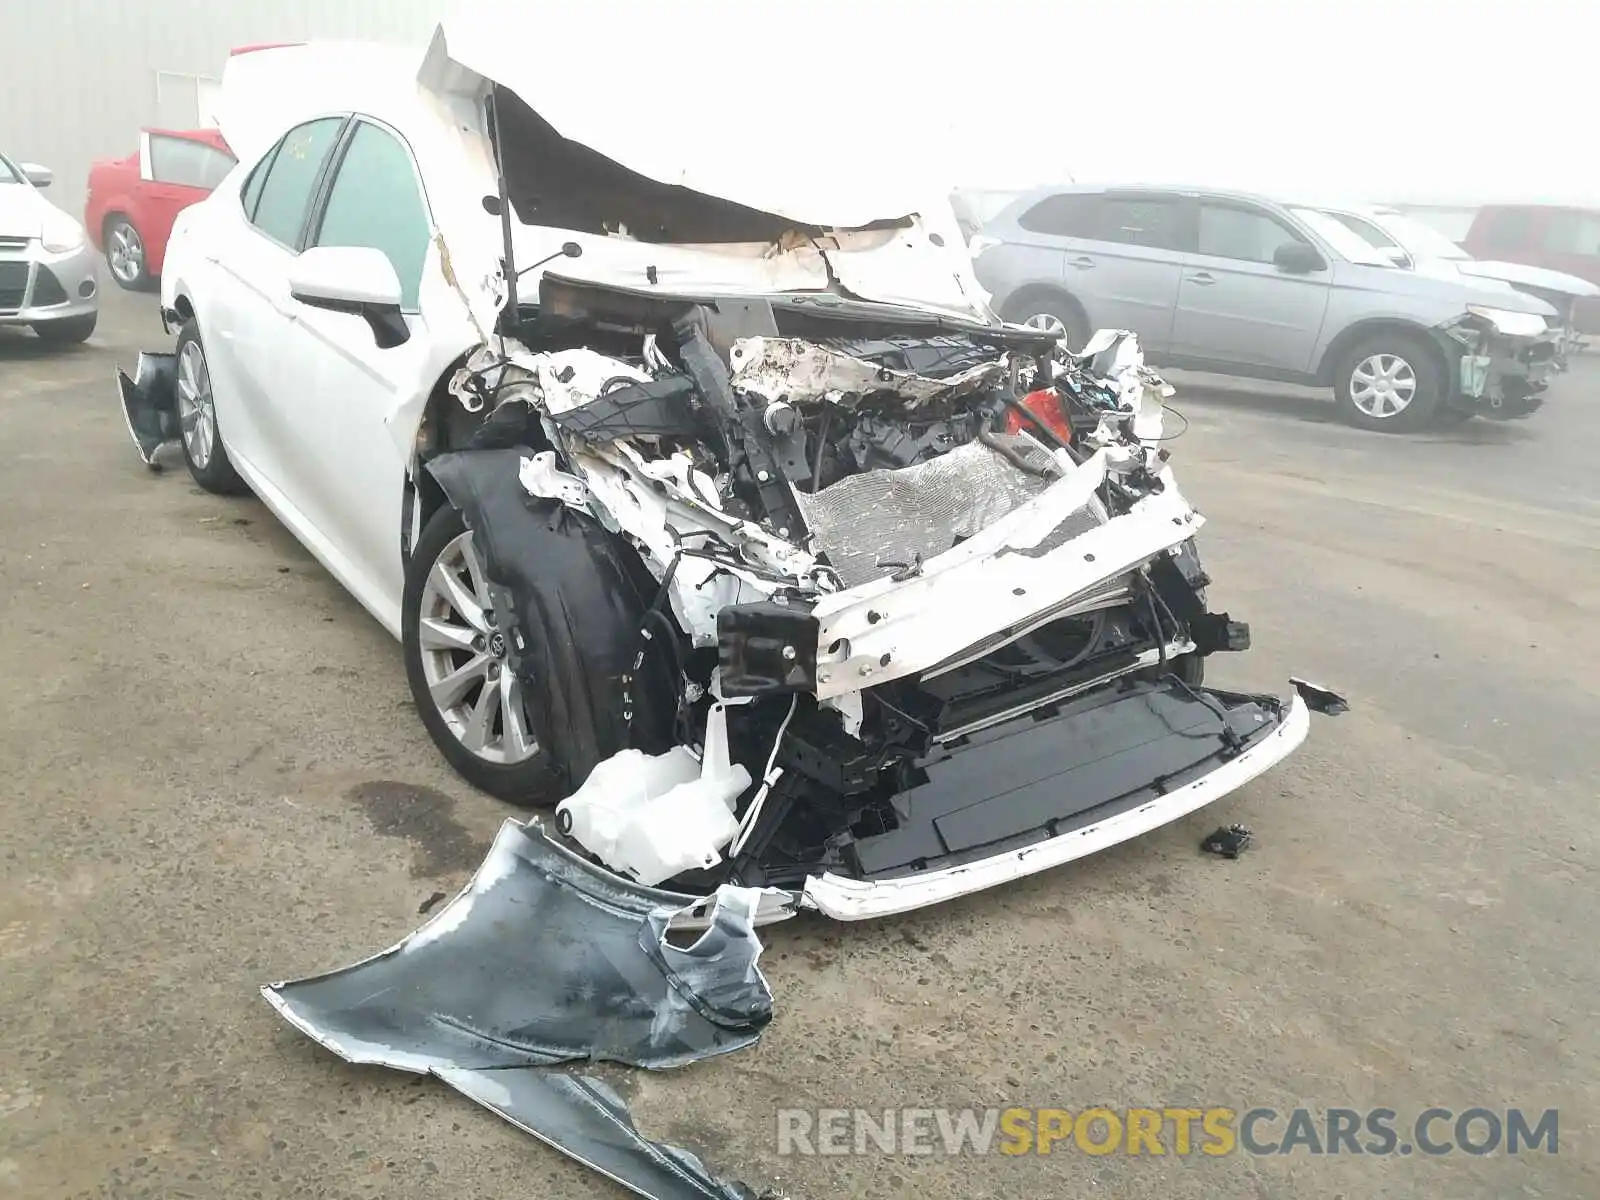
(134, 200)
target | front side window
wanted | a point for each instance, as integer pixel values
(1140, 221)
(1241, 233)
(375, 201)
(187, 163)
(1371, 234)
(284, 192)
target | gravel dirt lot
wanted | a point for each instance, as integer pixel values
(214, 778)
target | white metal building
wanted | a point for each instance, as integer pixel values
(79, 78)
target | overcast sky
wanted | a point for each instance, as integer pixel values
(1359, 99)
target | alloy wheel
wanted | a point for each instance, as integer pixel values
(197, 415)
(1383, 385)
(125, 253)
(464, 662)
(1047, 323)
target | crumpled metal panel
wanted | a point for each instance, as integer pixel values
(546, 958)
(584, 1119)
(543, 958)
(803, 372)
(869, 523)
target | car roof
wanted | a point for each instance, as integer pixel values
(212, 137)
(1171, 189)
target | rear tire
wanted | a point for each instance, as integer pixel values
(125, 254)
(199, 434)
(1389, 382)
(70, 332)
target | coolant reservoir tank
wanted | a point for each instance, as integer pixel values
(651, 817)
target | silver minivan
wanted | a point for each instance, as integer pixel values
(1237, 284)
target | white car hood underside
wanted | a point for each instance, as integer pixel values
(716, 115)
(734, 134)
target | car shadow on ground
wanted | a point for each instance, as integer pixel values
(1313, 409)
(18, 345)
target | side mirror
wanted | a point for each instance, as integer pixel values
(40, 177)
(357, 280)
(1297, 258)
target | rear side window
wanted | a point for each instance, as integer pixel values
(1509, 229)
(284, 193)
(1573, 233)
(187, 163)
(1241, 233)
(1070, 214)
(375, 201)
(1140, 221)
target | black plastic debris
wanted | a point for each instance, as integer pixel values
(1230, 842)
(149, 404)
(658, 408)
(544, 959)
(1320, 699)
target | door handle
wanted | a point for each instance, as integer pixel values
(1083, 262)
(1203, 278)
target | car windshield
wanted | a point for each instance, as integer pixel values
(1348, 244)
(8, 173)
(1417, 239)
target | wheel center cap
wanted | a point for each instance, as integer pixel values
(497, 644)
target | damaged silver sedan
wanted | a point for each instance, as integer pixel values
(718, 512)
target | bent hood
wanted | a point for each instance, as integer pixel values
(715, 150)
(720, 118)
(1522, 275)
(776, 198)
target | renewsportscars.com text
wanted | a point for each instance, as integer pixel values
(1170, 1130)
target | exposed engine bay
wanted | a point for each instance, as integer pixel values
(883, 598)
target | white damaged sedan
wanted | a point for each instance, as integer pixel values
(710, 502)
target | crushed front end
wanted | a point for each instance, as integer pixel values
(928, 611)
(1502, 362)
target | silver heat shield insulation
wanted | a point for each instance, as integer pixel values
(869, 525)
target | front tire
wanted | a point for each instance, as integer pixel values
(70, 332)
(1389, 382)
(470, 701)
(1052, 313)
(200, 436)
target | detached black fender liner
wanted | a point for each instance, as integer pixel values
(150, 404)
(570, 604)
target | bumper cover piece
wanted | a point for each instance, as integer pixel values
(150, 404)
(543, 959)
(1017, 801)
(585, 1120)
